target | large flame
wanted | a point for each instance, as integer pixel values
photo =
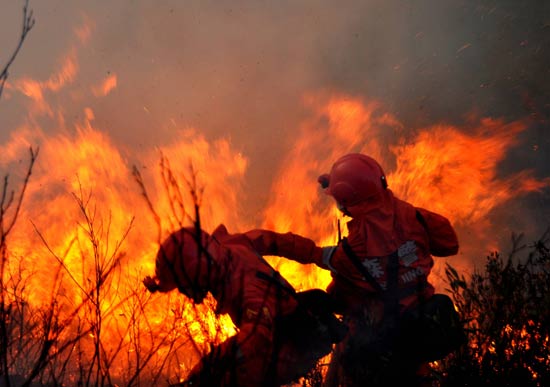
(84, 213)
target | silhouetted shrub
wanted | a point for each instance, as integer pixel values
(506, 310)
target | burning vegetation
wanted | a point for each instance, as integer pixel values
(75, 313)
(79, 229)
(504, 306)
(74, 310)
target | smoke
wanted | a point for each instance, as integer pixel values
(241, 70)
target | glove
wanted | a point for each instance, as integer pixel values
(151, 284)
(327, 253)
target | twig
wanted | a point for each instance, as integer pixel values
(139, 180)
(28, 23)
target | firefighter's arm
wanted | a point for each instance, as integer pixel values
(287, 245)
(442, 236)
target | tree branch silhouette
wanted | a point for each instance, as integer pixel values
(27, 25)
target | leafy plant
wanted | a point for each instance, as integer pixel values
(506, 310)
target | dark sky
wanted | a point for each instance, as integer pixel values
(241, 70)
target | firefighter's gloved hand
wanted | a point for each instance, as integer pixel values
(151, 284)
(328, 252)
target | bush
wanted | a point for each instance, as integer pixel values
(506, 311)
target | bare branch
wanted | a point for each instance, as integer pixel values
(139, 180)
(59, 259)
(28, 23)
(11, 223)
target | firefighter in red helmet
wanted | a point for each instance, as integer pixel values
(261, 303)
(379, 271)
(355, 178)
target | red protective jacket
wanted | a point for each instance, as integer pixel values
(378, 230)
(251, 292)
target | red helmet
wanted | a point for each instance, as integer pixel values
(354, 178)
(183, 262)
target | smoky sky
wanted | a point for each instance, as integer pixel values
(240, 69)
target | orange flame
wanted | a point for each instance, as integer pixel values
(83, 183)
(443, 168)
(106, 86)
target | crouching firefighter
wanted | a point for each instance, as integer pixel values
(380, 279)
(281, 334)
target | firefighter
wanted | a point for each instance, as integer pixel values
(271, 347)
(379, 272)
